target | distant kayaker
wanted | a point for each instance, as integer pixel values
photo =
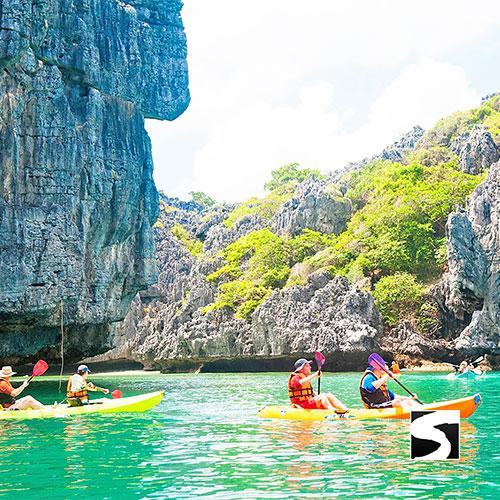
(301, 392)
(8, 394)
(78, 388)
(375, 393)
(463, 367)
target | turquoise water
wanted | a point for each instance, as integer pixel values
(204, 440)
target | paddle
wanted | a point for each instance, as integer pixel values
(375, 358)
(39, 369)
(320, 361)
(475, 362)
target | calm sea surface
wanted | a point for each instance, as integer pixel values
(204, 440)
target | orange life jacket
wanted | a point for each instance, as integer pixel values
(377, 398)
(83, 393)
(302, 394)
(6, 400)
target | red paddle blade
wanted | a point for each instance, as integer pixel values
(40, 368)
(116, 394)
(376, 361)
(320, 359)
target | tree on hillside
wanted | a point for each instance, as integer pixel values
(202, 199)
(290, 173)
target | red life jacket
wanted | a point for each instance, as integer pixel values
(302, 394)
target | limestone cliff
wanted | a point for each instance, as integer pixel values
(471, 289)
(77, 79)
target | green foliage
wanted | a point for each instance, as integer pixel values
(432, 156)
(447, 129)
(255, 264)
(194, 246)
(159, 224)
(290, 173)
(265, 207)
(308, 243)
(164, 207)
(202, 199)
(399, 225)
(398, 296)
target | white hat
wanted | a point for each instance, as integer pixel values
(6, 372)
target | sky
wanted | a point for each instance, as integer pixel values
(317, 82)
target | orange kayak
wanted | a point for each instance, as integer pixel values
(467, 407)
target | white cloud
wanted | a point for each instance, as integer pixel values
(267, 76)
(245, 146)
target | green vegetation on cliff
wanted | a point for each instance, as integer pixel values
(281, 189)
(394, 244)
(449, 128)
(256, 264)
(400, 219)
(194, 246)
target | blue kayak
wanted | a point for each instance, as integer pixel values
(467, 374)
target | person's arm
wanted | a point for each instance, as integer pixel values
(91, 387)
(307, 379)
(20, 389)
(380, 381)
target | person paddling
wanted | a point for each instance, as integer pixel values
(301, 392)
(77, 392)
(375, 393)
(8, 394)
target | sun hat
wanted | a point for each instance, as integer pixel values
(6, 372)
(83, 368)
(299, 364)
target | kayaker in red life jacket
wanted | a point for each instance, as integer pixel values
(374, 391)
(77, 391)
(301, 393)
(8, 394)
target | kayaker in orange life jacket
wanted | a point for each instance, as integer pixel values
(77, 391)
(374, 391)
(301, 393)
(8, 394)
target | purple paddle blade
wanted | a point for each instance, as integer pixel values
(376, 361)
(320, 359)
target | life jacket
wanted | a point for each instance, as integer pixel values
(302, 394)
(6, 400)
(81, 394)
(376, 399)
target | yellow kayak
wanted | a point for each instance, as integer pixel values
(140, 403)
(467, 407)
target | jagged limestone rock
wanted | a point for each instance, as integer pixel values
(471, 288)
(476, 150)
(318, 205)
(77, 194)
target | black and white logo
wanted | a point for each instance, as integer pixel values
(435, 435)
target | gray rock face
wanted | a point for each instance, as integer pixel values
(317, 205)
(326, 314)
(166, 324)
(472, 285)
(476, 150)
(77, 195)
(396, 152)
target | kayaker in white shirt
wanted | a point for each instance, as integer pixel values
(78, 387)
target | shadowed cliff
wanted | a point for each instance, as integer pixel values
(77, 202)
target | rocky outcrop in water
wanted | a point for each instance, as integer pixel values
(77, 195)
(471, 290)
